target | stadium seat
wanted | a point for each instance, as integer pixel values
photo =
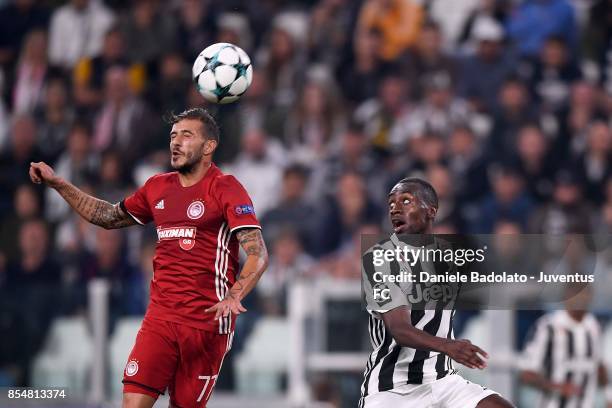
(120, 345)
(65, 360)
(262, 363)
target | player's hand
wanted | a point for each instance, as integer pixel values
(567, 389)
(227, 305)
(466, 353)
(41, 172)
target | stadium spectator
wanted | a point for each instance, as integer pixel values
(533, 21)
(584, 107)
(452, 16)
(259, 169)
(427, 56)
(426, 150)
(74, 240)
(21, 151)
(77, 164)
(468, 164)
(568, 212)
(399, 21)
(352, 154)
(233, 28)
(441, 179)
(604, 222)
(382, 117)
(344, 264)
(595, 165)
(31, 73)
(255, 111)
(483, 73)
(439, 110)
(26, 206)
(553, 74)
(77, 30)
(4, 114)
(258, 110)
(54, 117)
(293, 210)
(33, 282)
(344, 212)
(148, 31)
(513, 110)
(508, 201)
(330, 27)
(34, 265)
(360, 73)
(89, 72)
(112, 179)
(314, 123)
(485, 11)
(109, 261)
(17, 18)
(124, 122)
(288, 263)
(598, 40)
(167, 92)
(197, 25)
(533, 159)
(509, 252)
(281, 64)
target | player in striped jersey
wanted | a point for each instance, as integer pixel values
(564, 357)
(411, 363)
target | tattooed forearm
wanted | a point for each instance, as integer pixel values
(94, 210)
(251, 241)
(257, 262)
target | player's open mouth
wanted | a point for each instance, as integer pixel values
(398, 224)
(176, 154)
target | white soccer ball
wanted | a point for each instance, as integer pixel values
(222, 72)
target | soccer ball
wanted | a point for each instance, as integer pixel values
(222, 72)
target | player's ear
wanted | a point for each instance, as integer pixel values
(431, 212)
(209, 146)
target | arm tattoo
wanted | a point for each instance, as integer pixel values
(251, 241)
(257, 261)
(94, 210)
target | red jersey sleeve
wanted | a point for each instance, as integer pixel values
(137, 205)
(236, 203)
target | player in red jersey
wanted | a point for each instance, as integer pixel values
(202, 216)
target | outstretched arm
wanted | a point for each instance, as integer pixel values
(94, 210)
(405, 334)
(256, 263)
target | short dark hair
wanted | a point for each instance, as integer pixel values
(211, 129)
(296, 169)
(421, 189)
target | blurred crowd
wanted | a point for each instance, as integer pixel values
(505, 106)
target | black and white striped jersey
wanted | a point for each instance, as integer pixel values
(391, 365)
(565, 350)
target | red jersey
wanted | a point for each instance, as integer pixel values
(196, 257)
